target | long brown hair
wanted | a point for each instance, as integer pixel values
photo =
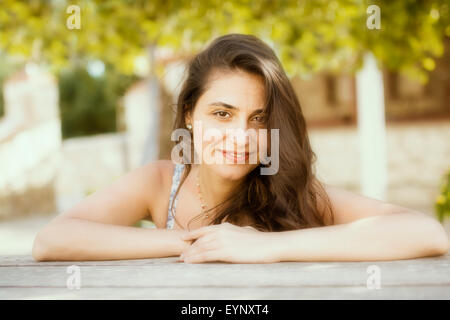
(289, 199)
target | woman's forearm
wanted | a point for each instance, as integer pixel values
(389, 237)
(74, 239)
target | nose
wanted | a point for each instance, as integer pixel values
(238, 137)
(241, 134)
(240, 130)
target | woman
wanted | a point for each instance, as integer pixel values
(227, 210)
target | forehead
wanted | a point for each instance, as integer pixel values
(237, 88)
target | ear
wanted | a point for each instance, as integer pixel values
(188, 118)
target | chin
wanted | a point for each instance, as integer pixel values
(232, 171)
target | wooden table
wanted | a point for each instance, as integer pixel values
(167, 278)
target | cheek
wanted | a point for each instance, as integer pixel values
(197, 142)
(205, 142)
(262, 146)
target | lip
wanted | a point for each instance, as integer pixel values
(235, 156)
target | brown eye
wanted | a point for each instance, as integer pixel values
(259, 118)
(222, 114)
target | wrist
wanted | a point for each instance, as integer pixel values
(273, 245)
(180, 245)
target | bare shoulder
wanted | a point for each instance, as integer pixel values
(165, 168)
(348, 206)
(134, 196)
(158, 177)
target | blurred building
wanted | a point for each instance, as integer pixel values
(30, 143)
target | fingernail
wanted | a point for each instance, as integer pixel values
(181, 256)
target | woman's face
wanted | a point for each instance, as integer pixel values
(226, 122)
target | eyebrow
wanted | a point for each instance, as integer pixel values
(229, 106)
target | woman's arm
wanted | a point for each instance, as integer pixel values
(100, 226)
(75, 239)
(364, 229)
(395, 236)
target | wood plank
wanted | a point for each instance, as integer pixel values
(166, 278)
(180, 274)
(27, 260)
(225, 293)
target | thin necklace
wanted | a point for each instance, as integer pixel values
(200, 195)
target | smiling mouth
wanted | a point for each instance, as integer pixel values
(235, 156)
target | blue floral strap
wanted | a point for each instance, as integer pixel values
(175, 182)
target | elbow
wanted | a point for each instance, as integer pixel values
(441, 243)
(433, 238)
(47, 244)
(39, 250)
(43, 243)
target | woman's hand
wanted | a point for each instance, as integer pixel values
(228, 243)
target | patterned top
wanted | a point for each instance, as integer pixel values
(175, 182)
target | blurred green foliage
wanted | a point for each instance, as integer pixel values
(308, 36)
(144, 224)
(442, 204)
(88, 104)
(2, 103)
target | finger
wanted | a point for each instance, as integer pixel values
(199, 247)
(206, 256)
(203, 239)
(196, 244)
(194, 234)
(201, 244)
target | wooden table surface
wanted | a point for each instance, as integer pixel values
(167, 278)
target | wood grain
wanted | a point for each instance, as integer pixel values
(166, 278)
